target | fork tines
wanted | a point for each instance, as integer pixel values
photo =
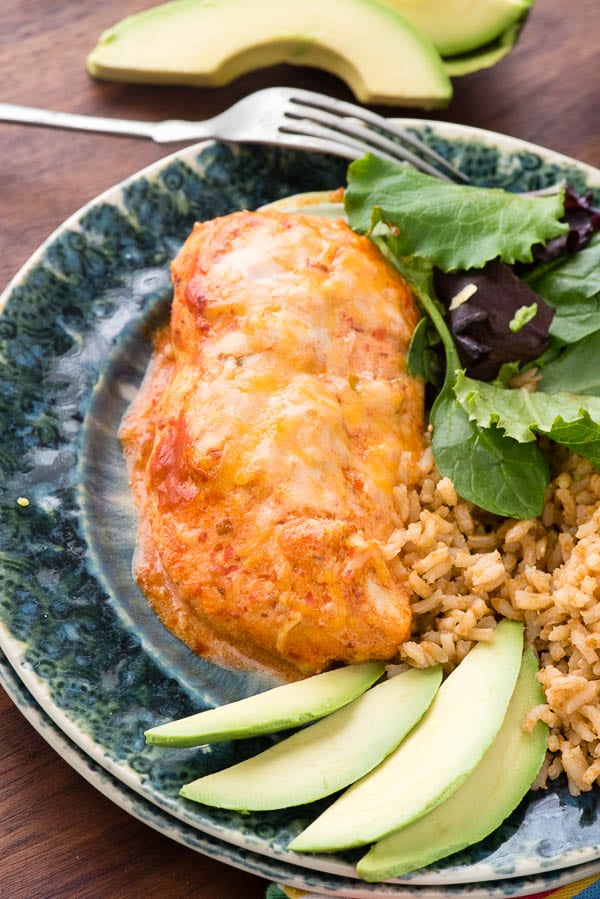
(361, 131)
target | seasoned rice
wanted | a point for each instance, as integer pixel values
(467, 569)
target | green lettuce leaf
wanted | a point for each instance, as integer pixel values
(423, 358)
(453, 226)
(573, 421)
(575, 370)
(487, 467)
(571, 285)
(522, 317)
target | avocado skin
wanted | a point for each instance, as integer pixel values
(487, 55)
(482, 803)
(459, 26)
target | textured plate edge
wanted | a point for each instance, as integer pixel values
(448, 130)
(27, 705)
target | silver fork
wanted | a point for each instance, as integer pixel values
(277, 115)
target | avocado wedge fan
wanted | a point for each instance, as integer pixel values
(385, 746)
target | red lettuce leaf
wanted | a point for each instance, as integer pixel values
(481, 324)
(583, 219)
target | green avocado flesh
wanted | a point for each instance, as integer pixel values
(482, 803)
(323, 203)
(456, 26)
(485, 56)
(379, 54)
(282, 707)
(435, 758)
(327, 756)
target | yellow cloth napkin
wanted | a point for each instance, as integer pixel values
(573, 889)
(590, 886)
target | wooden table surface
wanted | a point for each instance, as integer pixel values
(59, 837)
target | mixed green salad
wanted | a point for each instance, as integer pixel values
(509, 285)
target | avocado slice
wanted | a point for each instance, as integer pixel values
(381, 56)
(485, 56)
(435, 759)
(322, 203)
(282, 707)
(327, 756)
(503, 777)
(456, 26)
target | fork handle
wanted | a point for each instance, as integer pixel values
(29, 115)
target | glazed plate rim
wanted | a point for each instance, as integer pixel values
(14, 648)
(259, 865)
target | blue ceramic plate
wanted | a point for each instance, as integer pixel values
(73, 347)
(260, 865)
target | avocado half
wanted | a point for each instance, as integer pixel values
(485, 56)
(458, 26)
(372, 47)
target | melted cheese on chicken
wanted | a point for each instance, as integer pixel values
(265, 442)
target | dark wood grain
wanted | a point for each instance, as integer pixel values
(58, 836)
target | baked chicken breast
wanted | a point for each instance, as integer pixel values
(264, 445)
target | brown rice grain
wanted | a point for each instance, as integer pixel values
(468, 569)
